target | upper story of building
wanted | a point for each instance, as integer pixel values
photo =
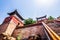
(15, 17)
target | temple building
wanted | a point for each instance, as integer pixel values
(13, 26)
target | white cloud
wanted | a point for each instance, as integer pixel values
(44, 3)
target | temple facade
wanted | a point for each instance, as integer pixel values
(13, 26)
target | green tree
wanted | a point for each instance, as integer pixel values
(29, 21)
(50, 18)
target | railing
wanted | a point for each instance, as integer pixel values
(52, 34)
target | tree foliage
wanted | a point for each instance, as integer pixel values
(50, 18)
(29, 21)
(19, 36)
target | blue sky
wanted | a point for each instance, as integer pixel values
(30, 8)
